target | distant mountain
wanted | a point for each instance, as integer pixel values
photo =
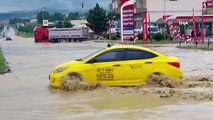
(53, 10)
(64, 11)
(20, 14)
(29, 14)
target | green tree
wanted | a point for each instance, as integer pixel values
(158, 36)
(64, 24)
(59, 24)
(1, 28)
(57, 17)
(67, 24)
(28, 28)
(13, 21)
(43, 15)
(112, 15)
(97, 19)
(73, 16)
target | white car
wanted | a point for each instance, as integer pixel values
(137, 31)
(153, 29)
(8, 38)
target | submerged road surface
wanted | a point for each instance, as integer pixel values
(25, 93)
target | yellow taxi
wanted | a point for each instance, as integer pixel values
(118, 66)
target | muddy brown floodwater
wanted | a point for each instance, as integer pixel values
(25, 93)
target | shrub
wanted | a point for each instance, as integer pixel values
(26, 28)
(171, 38)
(118, 35)
(140, 36)
(114, 37)
(2, 63)
(106, 36)
(167, 36)
(158, 36)
(131, 39)
(150, 35)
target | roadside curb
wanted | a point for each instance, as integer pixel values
(194, 48)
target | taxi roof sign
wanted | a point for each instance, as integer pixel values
(45, 23)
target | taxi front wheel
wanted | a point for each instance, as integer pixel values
(75, 76)
(70, 82)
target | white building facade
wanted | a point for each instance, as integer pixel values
(158, 8)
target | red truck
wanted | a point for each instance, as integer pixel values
(55, 35)
(41, 34)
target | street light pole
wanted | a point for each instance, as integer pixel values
(164, 8)
(164, 27)
(202, 24)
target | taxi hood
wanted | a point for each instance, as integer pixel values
(67, 64)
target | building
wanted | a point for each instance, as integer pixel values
(82, 23)
(33, 21)
(157, 9)
(79, 23)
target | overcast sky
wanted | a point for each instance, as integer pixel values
(19, 5)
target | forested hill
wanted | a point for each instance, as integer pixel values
(28, 14)
(7, 16)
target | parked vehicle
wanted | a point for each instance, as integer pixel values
(55, 35)
(8, 38)
(3, 35)
(153, 29)
(137, 31)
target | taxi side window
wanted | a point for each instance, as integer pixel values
(114, 55)
(138, 54)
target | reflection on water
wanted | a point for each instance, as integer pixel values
(98, 105)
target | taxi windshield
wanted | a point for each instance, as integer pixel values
(88, 56)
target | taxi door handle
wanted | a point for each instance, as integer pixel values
(148, 62)
(116, 65)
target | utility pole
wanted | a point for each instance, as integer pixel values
(150, 32)
(43, 9)
(82, 12)
(164, 8)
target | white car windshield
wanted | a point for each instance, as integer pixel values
(153, 29)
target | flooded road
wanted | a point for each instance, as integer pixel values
(25, 93)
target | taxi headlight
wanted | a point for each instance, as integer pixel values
(60, 69)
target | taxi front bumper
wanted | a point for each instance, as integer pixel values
(55, 80)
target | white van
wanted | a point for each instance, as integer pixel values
(153, 29)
